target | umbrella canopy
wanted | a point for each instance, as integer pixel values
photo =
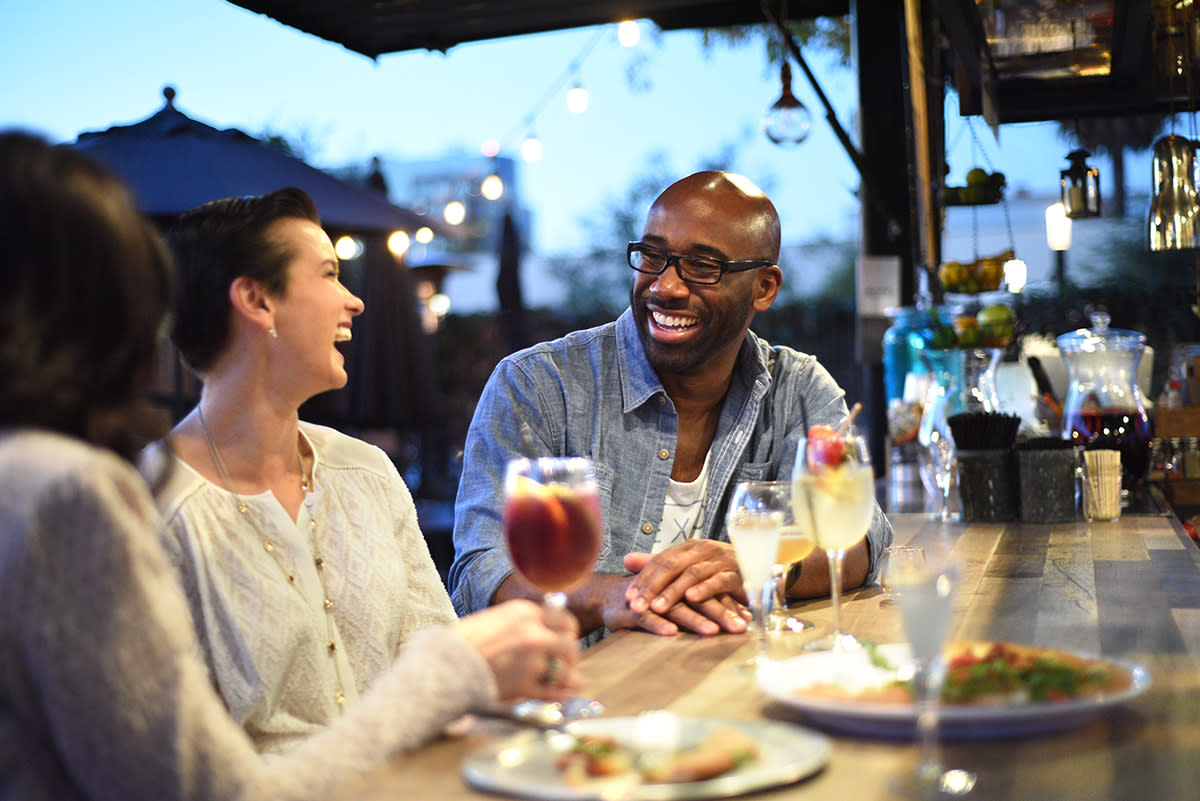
(174, 163)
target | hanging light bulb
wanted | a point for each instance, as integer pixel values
(424, 235)
(490, 148)
(787, 122)
(531, 148)
(577, 99)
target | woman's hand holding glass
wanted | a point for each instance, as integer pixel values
(533, 652)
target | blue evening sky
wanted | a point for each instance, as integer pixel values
(71, 66)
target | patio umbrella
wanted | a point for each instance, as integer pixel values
(508, 285)
(174, 163)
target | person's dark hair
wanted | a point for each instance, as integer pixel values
(218, 242)
(87, 288)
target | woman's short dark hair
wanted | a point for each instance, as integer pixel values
(87, 288)
(215, 244)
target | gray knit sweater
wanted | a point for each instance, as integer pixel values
(102, 694)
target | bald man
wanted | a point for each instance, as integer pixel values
(676, 401)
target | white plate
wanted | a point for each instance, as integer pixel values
(784, 680)
(524, 763)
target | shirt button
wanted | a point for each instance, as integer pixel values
(647, 528)
(664, 454)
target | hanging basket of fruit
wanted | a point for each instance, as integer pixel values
(993, 326)
(985, 274)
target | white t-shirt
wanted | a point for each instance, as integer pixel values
(683, 511)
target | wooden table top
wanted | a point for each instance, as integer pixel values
(1128, 590)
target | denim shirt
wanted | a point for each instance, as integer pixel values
(593, 393)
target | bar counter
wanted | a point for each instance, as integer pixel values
(1127, 590)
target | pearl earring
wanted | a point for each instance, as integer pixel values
(274, 334)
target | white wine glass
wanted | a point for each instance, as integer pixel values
(924, 589)
(833, 495)
(756, 514)
(795, 544)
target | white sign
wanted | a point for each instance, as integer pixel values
(878, 284)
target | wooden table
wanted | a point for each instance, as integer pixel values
(1128, 590)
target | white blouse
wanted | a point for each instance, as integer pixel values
(290, 644)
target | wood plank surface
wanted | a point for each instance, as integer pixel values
(1127, 590)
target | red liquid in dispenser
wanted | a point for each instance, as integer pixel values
(1123, 429)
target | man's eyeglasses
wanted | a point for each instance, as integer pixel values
(691, 269)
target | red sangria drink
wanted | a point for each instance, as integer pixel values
(1124, 430)
(552, 522)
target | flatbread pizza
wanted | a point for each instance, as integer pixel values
(990, 673)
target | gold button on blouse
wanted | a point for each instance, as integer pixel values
(328, 604)
(319, 561)
(647, 528)
(664, 454)
(332, 646)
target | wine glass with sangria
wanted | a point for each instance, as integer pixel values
(552, 522)
(833, 494)
(553, 527)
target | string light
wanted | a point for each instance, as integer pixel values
(454, 212)
(531, 148)
(348, 248)
(629, 33)
(424, 235)
(577, 99)
(398, 243)
(492, 187)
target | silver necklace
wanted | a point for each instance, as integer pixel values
(243, 508)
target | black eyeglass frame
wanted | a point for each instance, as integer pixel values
(724, 266)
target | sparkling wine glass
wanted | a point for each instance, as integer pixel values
(925, 593)
(552, 522)
(833, 493)
(756, 514)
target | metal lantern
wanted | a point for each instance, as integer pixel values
(1080, 186)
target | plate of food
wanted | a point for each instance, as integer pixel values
(991, 689)
(651, 757)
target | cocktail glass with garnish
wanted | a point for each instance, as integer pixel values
(833, 494)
